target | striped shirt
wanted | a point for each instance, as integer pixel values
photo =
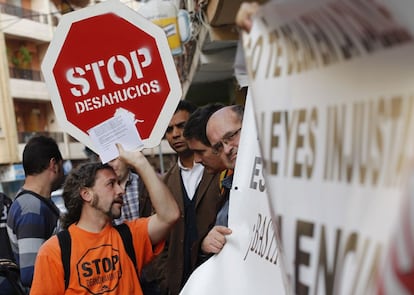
(32, 220)
(130, 209)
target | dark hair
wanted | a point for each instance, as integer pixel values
(37, 154)
(196, 124)
(185, 105)
(83, 176)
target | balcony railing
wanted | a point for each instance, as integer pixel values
(25, 136)
(25, 74)
(24, 13)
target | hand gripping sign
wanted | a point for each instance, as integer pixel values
(108, 57)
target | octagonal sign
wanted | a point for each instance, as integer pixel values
(107, 57)
(97, 274)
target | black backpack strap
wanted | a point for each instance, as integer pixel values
(126, 236)
(10, 271)
(65, 244)
(5, 246)
(2, 198)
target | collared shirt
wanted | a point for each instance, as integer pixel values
(191, 177)
(226, 183)
(130, 209)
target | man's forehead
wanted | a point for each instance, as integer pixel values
(105, 174)
(221, 122)
(179, 117)
(177, 122)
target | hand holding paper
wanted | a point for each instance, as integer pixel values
(134, 158)
(118, 129)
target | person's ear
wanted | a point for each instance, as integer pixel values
(86, 194)
(53, 164)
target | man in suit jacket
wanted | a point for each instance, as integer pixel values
(197, 194)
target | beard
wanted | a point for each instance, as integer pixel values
(112, 212)
(58, 182)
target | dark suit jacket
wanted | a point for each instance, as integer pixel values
(207, 202)
(145, 205)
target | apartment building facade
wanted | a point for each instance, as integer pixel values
(26, 29)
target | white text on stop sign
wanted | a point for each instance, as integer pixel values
(76, 75)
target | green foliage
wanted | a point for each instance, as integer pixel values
(22, 58)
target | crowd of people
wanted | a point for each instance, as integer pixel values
(127, 230)
(174, 222)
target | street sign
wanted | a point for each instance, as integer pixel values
(108, 57)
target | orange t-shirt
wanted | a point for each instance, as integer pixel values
(98, 263)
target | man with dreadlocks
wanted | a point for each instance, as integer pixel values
(99, 262)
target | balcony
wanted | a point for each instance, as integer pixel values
(23, 13)
(23, 137)
(25, 74)
(206, 68)
(69, 147)
(27, 84)
(27, 24)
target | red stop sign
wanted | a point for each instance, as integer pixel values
(107, 57)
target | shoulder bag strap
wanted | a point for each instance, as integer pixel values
(65, 244)
(126, 236)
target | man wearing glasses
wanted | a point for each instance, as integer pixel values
(223, 132)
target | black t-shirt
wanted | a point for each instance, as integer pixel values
(5, 249)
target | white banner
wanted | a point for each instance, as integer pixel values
(333, 93)
(249, 262)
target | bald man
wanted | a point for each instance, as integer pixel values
(223, 131)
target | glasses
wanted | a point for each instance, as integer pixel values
(226, 140)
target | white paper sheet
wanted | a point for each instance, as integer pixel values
(118, 129)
